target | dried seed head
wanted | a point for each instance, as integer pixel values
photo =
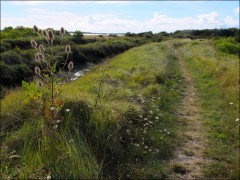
(68, 49)
(41, 48)
(40, 84)
(33, 43)
(62, 31)
(40, 56)
(37, 70)
(50, 35)
(70, 65)
(44, 33)
(35, 29)
(36, 57)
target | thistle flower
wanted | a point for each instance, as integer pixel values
(37, 70)
(68, 49)
(50, 35)
(41, 48)
(70, 65)
(44, 33)
(62, 31)
(35, 29)
(33, 43)
(40, 84)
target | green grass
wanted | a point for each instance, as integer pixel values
(122, 122)
(216, 76)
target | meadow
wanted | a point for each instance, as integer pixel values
(121, 119)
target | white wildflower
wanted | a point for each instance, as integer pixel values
(231, 103)
(67, 110)
(52, 108)
(156, 117)
(55, 126)
(49, 177)
(237, 119)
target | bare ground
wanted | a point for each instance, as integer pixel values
(188, 159)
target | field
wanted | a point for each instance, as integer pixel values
(132, 116)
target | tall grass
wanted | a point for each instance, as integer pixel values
(128, 133)
(217, 81)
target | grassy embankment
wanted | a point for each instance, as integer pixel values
(216, 76)
(122, 122)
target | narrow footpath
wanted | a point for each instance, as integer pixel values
(188, 159)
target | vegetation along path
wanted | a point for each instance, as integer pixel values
(188, 158)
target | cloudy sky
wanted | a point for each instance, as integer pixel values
(121, 16)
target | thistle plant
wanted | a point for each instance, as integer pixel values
(48, 76)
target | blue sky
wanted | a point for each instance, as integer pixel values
(121, 16)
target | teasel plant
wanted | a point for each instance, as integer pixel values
(48, 73)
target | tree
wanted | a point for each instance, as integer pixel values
(77, 37)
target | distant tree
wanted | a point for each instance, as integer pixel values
(77, 37)
(129, 34)
(8, 28)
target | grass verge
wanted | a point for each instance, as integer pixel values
(216, 76)
(122, 122)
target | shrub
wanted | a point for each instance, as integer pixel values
(228, 45)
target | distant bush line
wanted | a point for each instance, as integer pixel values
(17, 63)
(17, 56)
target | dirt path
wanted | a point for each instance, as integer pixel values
(188, 158)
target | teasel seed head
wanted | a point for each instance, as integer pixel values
(44, 33)
(41, 47)
(40, 56)
(70, 65)
(40, 84)
(33, 43)
(35, 29)
(62, 31)
(36, 57)
(37, 70)
(50, 35)
(68, 49)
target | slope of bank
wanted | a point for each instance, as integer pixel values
(118, 124)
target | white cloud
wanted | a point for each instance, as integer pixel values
(38, 3)
(236, 11)
(230, 21)
(116, 23)
(112, 2)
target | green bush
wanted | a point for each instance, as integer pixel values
(228, 45)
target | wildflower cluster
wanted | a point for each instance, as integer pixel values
(48, 73)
